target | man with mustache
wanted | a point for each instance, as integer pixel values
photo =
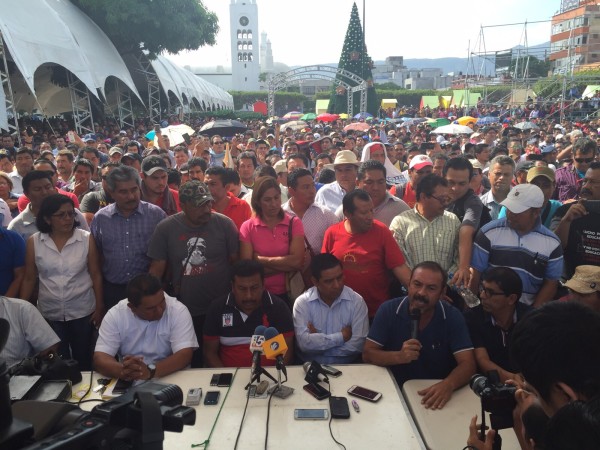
(576, 224)
(442, 349)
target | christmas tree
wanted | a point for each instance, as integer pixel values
(355, 59)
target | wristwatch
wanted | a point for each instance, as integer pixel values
(152, 369)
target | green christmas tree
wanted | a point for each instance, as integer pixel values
(355, 59)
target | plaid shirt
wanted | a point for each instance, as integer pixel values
(568, 183)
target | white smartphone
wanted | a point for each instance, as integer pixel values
(364, 393)
(311, 414)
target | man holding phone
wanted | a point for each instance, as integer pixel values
(439, 346)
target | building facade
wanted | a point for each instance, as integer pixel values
(575, 35)
(245, 45)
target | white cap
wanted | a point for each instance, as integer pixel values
(522, 197)
(420, 161)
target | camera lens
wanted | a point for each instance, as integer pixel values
(478, 384)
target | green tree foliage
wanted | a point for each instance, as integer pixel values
(282, 98)
(355, 59)
(536, 68)
(153, 25)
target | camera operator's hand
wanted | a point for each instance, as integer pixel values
(437, 395)
(410, 351)
(474, 441)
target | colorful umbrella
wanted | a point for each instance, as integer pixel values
(434, 123)
(357, 126)
(487, 120)
(326, 117)
(466, 120)
(223, 127)
(174, 133)
(343, 116)
(294, 125)
(308, 116)
(526, 126)
(293, 115)
(363, 115)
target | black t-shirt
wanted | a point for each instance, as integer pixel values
(495, 340)
(93, 201)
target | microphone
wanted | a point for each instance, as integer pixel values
(256, 347)
(275, 347)
(415, 318)
(314, 373)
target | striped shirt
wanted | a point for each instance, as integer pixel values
(536, 256)
(316, 220)
(421, 240)
(123, 241)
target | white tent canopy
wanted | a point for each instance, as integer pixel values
(56, 31)
(183, 83)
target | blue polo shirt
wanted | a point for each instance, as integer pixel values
(445, 335)
(12, 249)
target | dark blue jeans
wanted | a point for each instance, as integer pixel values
(75, 340)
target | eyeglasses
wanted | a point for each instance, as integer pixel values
(442, 200)
(489, 293)
(217, 142)
(64, 214)
(584, 160)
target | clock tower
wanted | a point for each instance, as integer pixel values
(245, 47)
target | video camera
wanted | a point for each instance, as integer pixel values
(497, 398)
(136, 419)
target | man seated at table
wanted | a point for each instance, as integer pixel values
(29, 335)
(443, 348)
(231, 320)
(151, 332)
(491, 323)
(330, 319)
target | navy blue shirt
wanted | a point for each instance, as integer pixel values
(445, 335)
(12, 249)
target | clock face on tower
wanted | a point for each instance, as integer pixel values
(244, 21)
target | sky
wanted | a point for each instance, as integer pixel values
(312, 31)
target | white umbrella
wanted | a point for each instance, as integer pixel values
(175, 134)
(295, 125)
(526, 126)
(453, 128)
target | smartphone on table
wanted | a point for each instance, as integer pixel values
(364, 393)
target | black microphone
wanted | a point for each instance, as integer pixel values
(256, 348)
(314, 373)
(415, 318)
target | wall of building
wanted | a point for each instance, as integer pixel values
(245, 45)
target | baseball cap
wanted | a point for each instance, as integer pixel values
(522, 197)
(548, 149)
(280, 166)
(535, 172)
(133, 156)
(152, 164)
(585, 280)
(90, 137)
(194, 192)
(114, 150)
(420, 161)
(524, 166)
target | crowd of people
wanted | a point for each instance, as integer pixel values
(170, 254)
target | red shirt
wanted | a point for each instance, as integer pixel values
(237, 210)
(24, 201)
(366, 258)
(160, 200)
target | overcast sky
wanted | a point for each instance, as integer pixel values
(312, 31)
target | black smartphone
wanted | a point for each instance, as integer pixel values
(592, 206)
(121, 386)
(212, 398)
(317, 391)
(339, 407)
(225, 380)
(329, 370)
(215, 379)
(157, 127)
(186, 137)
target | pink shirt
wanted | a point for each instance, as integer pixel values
(267, 242)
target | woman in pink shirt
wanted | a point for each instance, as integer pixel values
(265, 238)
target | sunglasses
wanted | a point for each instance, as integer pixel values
(584, 160)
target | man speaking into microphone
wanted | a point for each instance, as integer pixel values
(233, 321)
(432, 344)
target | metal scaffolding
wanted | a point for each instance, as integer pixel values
(154, 107)
(80, 105)
(124, 105)
(13, 125)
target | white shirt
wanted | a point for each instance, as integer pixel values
(330, 196)
(29, 332)
(17, 181)
(315, 220)
(124, 333)
(5, 216)
(65, 283)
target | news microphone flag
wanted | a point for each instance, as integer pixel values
(256, 342)
(274, 346)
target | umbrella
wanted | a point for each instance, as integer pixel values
(308, 116)
(434, 123)
(273, 119)
(363, 115)
(224, 127)
(343, 116)
(413, 121)
(487, 120)
(526, 126)
(294, 125)
(466, 120)
(174, 133)
(293, 115)
(357, 126)
(453, 129)
(326, 117)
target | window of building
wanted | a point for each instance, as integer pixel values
(245, 46)
(239, 34)
(239, 57)
(250, 57)
(249, 34)
(249, 45)
(239, 45)
(244, 34)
